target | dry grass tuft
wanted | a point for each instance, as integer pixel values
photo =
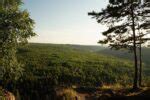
(67, 94)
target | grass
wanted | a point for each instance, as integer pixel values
(114, 87)
(67, 94)
(104, 93)
(123, 93)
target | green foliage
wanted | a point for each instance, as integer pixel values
(16, 27)
(67, 66)
(122, 18)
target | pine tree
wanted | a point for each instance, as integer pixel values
(122, 18)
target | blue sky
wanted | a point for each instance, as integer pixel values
(65, 21)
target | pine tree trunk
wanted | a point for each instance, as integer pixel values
(135, 83)
(140, 70)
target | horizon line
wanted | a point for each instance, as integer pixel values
(66, 44)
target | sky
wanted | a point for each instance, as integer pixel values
(65, 21)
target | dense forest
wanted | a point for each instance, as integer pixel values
(50, 65)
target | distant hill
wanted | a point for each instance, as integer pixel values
(128, 55)
(123, 54)
(91, 48)
(117, 53)
(100, 50)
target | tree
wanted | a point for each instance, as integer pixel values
(122, 18)
(16, 27)
(140, 58)
(141, 40)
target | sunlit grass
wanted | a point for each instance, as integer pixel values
(68, 94)
(116, 86)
